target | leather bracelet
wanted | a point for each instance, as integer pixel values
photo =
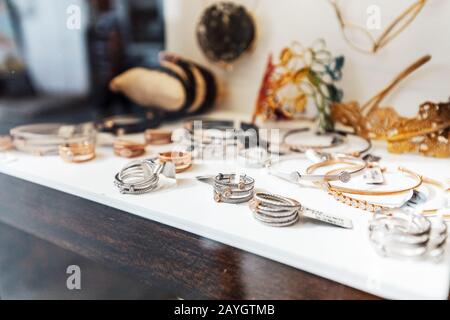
(211, 91)
(188, 82)
(127, 124)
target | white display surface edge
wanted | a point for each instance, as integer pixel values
(341, 255)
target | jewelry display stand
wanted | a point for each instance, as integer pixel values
(342, 255)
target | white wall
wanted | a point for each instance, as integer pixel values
(55, 55)
(283, 21)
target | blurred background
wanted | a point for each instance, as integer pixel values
(57, 57)
(56, 60)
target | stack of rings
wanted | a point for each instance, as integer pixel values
(128, 149)
(404, 235)
(181, 160)
(138, 177)
(158, 137)
(233, 188)
(77, 151)
(275, 211)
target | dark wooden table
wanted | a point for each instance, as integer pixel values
(174, 263)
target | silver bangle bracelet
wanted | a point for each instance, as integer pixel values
(233, 188)
(141, 177)
(344, 176)
(45, 139)
(336, 140)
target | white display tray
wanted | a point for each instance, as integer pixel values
(342, 255)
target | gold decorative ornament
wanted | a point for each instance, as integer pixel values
(359, 38)
(428, 133)
(302, 76)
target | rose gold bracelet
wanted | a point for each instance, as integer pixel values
(356, 203)
(128, 149)
(77, 152)
(371, 207)
(417, 183)
(181, 160)
(158, 137)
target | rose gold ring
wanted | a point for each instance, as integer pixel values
(77, 151)
(181, 160)
(128, 149)
(158, 137)
(5, 143)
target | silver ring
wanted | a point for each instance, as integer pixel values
(405, 235)
(233, 188)
(140, 177)
(275, 211)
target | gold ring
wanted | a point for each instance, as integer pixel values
(181, 160)
(128, 149)
(77, 152)
(158, 137)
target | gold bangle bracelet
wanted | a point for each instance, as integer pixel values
(409, 135)
(128, 149)
(356, 166)
(418, 183)
(181, 160)
(371, 207)
(77, 152)
(438, 184)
